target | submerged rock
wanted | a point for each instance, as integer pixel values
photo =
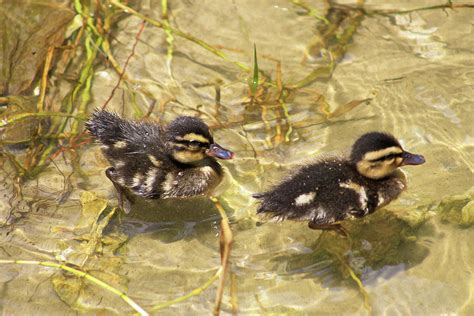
(467, 214)
(458, 209)
(17, 134)
(27, 30)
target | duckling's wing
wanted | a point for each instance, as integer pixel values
(135, 151)
(310, 192)
(111, 130)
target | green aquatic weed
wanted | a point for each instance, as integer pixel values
(253, 83)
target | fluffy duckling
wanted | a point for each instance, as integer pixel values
(155, 162)
(334, 189)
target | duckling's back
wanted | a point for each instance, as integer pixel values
(324, 190)
(111, 130)
(134, 149)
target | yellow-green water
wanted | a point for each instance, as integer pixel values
(413, 257)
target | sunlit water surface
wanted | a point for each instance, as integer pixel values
(417, 68)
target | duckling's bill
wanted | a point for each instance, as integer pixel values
(337, 188)
(412, 159)
(217, 151)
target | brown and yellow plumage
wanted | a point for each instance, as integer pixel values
(333, 189)
(155, 162)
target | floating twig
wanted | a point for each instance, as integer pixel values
(225, 247)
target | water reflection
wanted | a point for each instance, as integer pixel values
(415, 70)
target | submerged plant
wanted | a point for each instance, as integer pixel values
(42, 125)
(253, 83)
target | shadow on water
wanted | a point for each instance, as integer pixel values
(169, 221)
(380, 246)
(318, 75)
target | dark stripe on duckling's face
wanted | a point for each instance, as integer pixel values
(194, 147)
(374, 143)
(377, 155)
(382, 163)
(193, 138)
(383, 154)
(189, 148)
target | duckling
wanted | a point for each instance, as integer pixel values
(334, 189)
(155, 162)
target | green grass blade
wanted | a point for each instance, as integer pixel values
(254, 82)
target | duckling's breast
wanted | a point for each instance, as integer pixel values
(199, 180)
(389, 189)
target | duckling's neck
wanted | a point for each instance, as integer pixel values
(206, 162)
(400, 175)
(190, 180)
(391, 187)
(396, 174)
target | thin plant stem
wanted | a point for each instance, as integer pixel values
(225, 245)
(362, 290)
(169, 36)
(194, 292)
(44, 78)
(187, 36)
(22, 116)
(81, 274)
(122, 73)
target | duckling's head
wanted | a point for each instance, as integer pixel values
(377, 155)
(189, 141)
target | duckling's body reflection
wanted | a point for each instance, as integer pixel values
(171, 219)
(383, 245)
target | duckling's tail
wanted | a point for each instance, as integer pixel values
(105, 126)
(258, 196)
(262, 207)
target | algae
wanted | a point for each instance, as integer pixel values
(458, 209)
(325, 74)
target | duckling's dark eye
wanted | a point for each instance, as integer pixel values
(392, 156)
(387, 157)
(194, 143)
(378, 159)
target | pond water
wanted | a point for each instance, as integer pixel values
(407, 69)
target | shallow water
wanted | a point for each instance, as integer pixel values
(412, 257)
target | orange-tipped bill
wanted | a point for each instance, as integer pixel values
(219, 152)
